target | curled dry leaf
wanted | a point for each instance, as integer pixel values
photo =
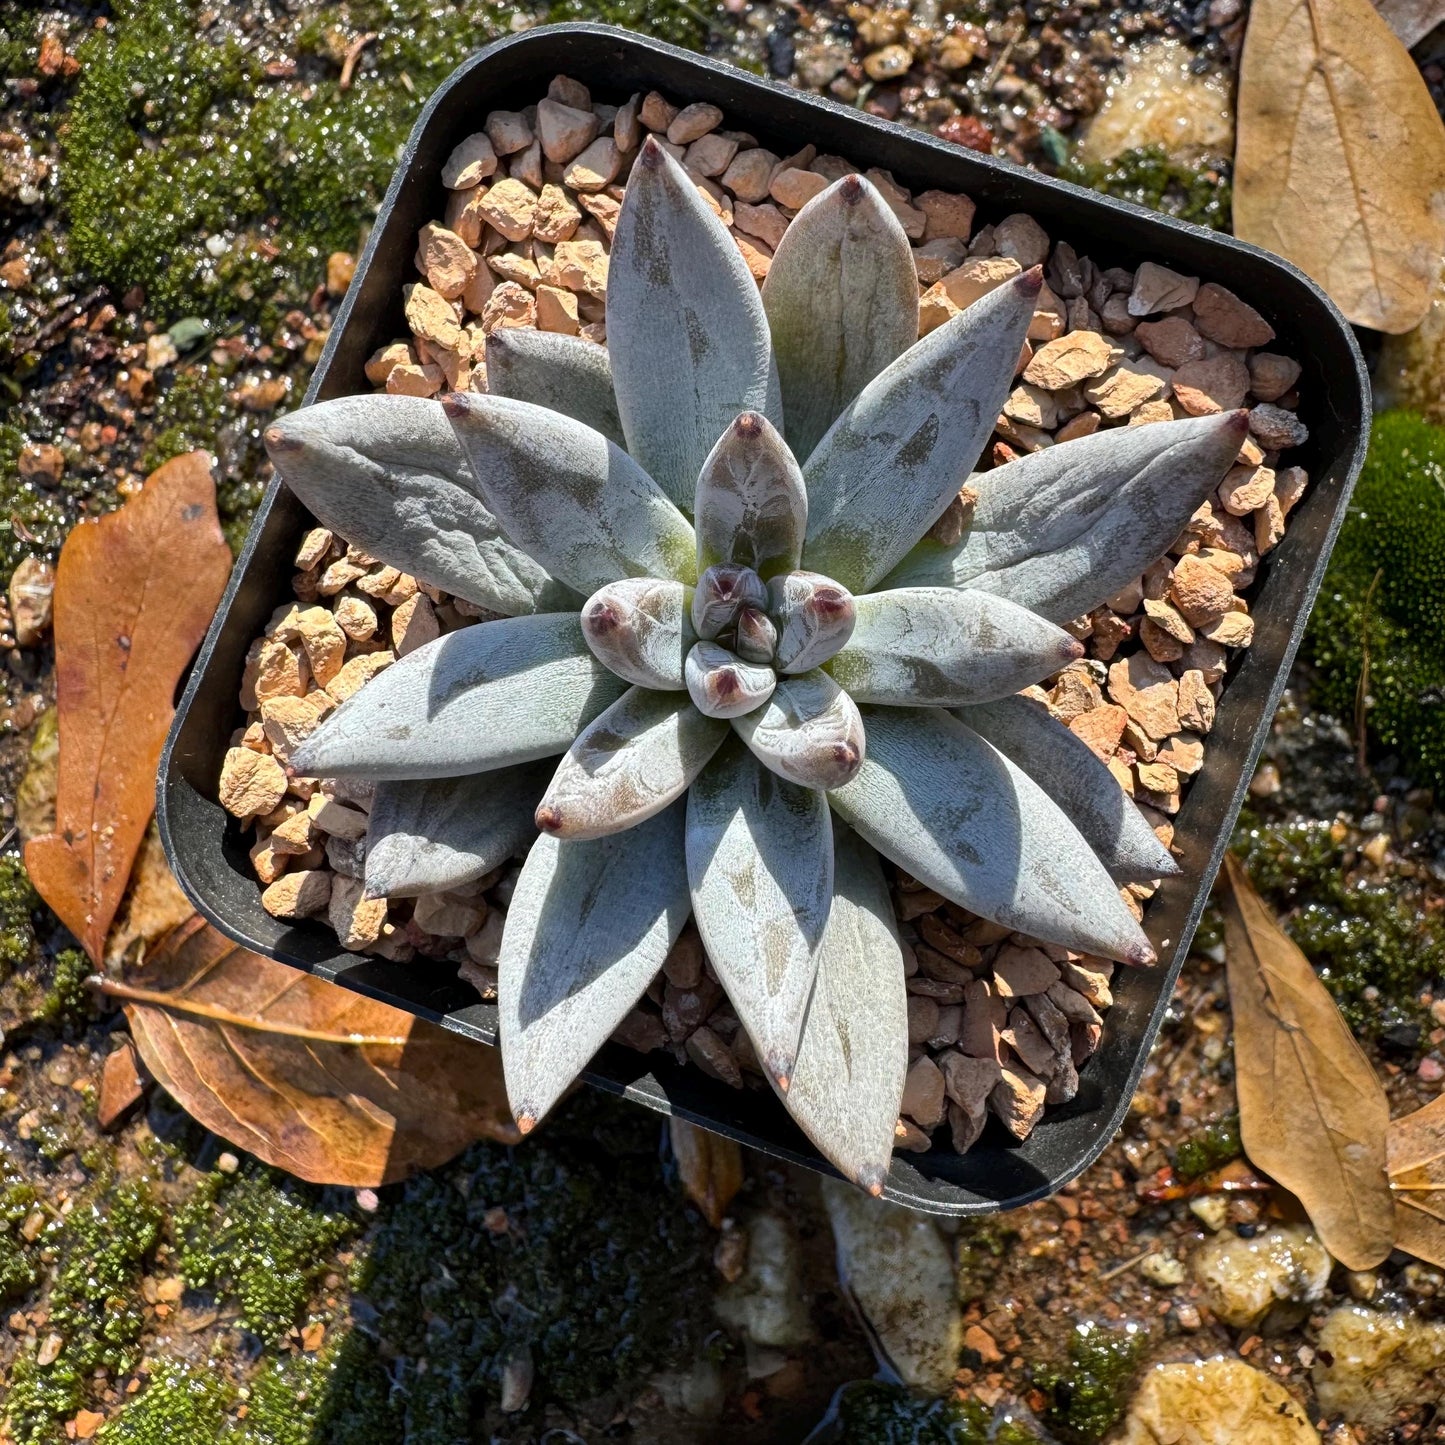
(1312, 1113)
(710, 1166)
(1417, 1177)
(133, 596)
(1340, 161)
(309, 1076)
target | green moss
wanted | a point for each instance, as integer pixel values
(40, 514)
(182, 122)
(19, 1260)
(1384, 595)
(1148, 177)
(181, 1403)
(189, 415)
(983, 1245)
(600, 1273)
(1361, 934)
(262, 1238)
(1208, 1148)
(877, 1414)
(1090, 1392)
(67, 1000)
(672, 20)
(282, 1403)
(18, 901)
(19, 40)
(94, 1308)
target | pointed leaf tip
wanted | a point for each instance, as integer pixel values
(810, 732)
(567, 374)
(686, 331)
(751, 505)
(946, 647)
(570, 497)
(388, 474)
(961, 817)
(842, 301)
(628, 765)
(722, 685)
(1067, 769)
(640, 629)
(1062, 529)
(847, 1087)
(279, 439)
(895, 458)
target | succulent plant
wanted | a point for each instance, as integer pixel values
(710, 543)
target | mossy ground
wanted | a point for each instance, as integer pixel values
(1383, 601)
(1088, 1394)
(572, 1250)
(1148, 177)
(1375, 939)
(874, 1414)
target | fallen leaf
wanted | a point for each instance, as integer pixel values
(710, 1166)
(133, 596)
(309, 1076)
(121, 1086)
(1312, 1113)
(1339, 165)
(152, 906)
(1411, 20)
(1417, 1176)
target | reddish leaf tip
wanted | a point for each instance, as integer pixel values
(549, 818)
(652, 153)
(871, 1178)
(525, 1123)
(851, 190)
(749, 424)
(455, 404)
(1139, 955)
(1071, 649)
(1031, 282)
(278, 439)
(602, 617)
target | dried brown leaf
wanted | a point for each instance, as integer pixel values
(1417, 1177)
(309, 1076)
(1339, 164)
(133, 596)
(711, 1168)
(1312, 1113)
(1411, 20)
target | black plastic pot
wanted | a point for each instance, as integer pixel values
(206, 848)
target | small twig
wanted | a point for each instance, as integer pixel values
(70, 308)
(9, 834)
(113, 988)
(1124, 1268)
(353, 54)
(1362, 692)
(1417, 1188)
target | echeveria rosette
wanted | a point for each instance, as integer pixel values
(723, 610)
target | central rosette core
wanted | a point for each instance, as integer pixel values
(750, 631)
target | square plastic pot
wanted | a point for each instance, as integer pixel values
(206, 848)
